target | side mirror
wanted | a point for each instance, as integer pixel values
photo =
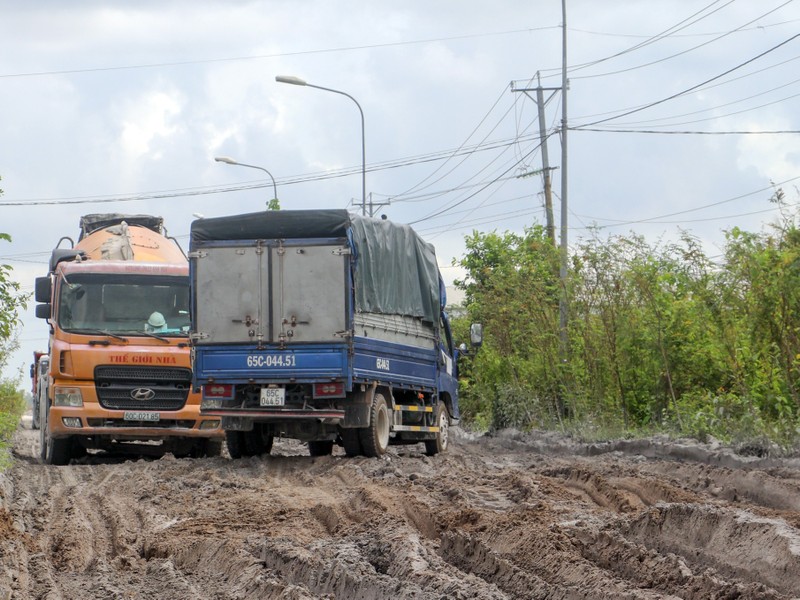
(43, 310)
(476, 334)
(42, 289)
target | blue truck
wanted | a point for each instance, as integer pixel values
(321, 326)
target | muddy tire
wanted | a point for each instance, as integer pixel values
(320, 448)
(256, 442)
(58, 451)
(35, 416)
(375, 438)
(248, 443)
(234, 440)
(43, 443)
(351, 442)
(206, 449)
(213, 448)
(442, 420)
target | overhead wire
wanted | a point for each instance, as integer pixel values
(716, 107)
(772, 186)
(650, 40)
(705, 88)
(457, 150)
(199, 191)
(267, 56)
(698, 34)
(681, 53)
(694, 87)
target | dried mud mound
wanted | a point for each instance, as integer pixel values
(506, 517)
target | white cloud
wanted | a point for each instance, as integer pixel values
(149, 120)
(775, 157)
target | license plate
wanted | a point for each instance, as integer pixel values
(273, 396)
(138, 415)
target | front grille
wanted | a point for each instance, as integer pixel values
(115, 385)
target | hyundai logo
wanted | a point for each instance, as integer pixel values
(143, 394)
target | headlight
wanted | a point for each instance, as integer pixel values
(67, 396)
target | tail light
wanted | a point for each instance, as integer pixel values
(222, 391)
(333, 389)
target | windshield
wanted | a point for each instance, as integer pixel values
(124, 304)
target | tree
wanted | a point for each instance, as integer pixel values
(12, 300)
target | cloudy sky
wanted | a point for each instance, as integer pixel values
(111, 106)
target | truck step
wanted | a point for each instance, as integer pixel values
(415, 428)
(413, 408)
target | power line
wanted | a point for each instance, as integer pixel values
(276, 55)
(699, 34)
(447, 209)
(486, 116)
(658, 37)
(721, 83)
(711, 108)
(703, 207)
(201, 191)
(681, 53)
(692, 88)
(651, 131)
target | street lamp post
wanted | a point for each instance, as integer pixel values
(229, 161)
(291, 79)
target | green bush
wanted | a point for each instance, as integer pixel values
(660, 337)
(12, 405)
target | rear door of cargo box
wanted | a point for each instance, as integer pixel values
(308, 291)
(229, 288)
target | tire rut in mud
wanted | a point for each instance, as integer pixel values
(494, 518)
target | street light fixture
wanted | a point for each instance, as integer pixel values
(291, 79)
(229, 161)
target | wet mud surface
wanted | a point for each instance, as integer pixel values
(503, 517)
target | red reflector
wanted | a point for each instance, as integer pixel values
(218, 390)
(332, 390)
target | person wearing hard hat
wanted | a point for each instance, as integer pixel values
(155, 323)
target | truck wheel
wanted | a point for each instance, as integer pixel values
(205, 448)
(351, 442)
(248, 443)
(35, 416)
(213, 448)
(256, 442)
(59, 451)
(43, 409)
(375, 438)
(439, 444)
(320, 448)
(43, 443)
(234, 440)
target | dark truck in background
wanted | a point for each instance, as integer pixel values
(321, 326)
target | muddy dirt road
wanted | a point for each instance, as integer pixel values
(510, 516)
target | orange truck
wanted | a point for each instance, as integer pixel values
(119, 376)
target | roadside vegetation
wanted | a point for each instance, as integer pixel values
(12, 401)
(660, 336)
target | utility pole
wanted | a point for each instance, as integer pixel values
(548, 190)
(562, 305)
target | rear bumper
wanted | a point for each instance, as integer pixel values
(278, 415)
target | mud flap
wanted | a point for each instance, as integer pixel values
(357, 411)
(356, 416)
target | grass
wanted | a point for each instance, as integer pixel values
(12, 405)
